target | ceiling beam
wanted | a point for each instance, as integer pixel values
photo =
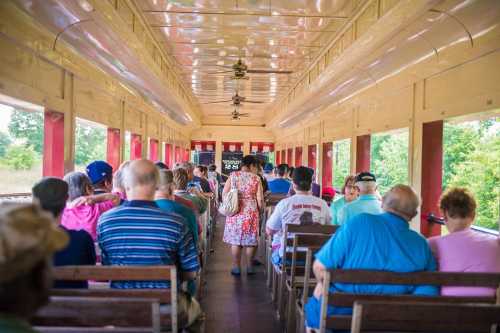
(233, 13)
(243, 29)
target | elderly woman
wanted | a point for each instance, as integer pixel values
(242, 229)
(350, 193)
(463, 249)
(83, 208)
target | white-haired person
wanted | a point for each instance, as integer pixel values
(382, 242)
(367, 202)
(463, 249)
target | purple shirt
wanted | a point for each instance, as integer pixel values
(467, 251)
(84, 217)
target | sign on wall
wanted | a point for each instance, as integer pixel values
(231, 161)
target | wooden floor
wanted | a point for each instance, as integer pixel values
(233, 304)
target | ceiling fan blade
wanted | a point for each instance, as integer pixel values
(219, 72)
(255, 102)
(243, 114)
(229, 100)
(266, 71)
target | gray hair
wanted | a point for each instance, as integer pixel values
(166, 181)
(367, 187)
(140, 173)
(118, 177)
(78, 184)
(401, 200)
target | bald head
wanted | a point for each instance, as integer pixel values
(401, 200)
(140, 179)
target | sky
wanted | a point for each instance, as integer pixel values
(5, 113)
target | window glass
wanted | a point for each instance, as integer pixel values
(472, 159)
(90, 143)
(389, 158)
(21, 148)
(341, 162)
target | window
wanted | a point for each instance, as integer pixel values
(21, 148)
(90, 143)
(341, 162)
(471, 152)
(389, 158)
(128, 139)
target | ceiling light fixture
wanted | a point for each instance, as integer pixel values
(86, 6)
(274, 56)
(271, 42)
(193, 41)
(220, 62)
(222, 53)
(220, 41)
(275, 13)
(196, 50)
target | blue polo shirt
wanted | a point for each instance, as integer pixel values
(170, 206)
(140, 233)
(279, 186)
(366, 203)
(374, 242)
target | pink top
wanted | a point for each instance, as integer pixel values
(467, 251)
(84, 217)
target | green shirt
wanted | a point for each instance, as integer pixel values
(335, 208)
(12, 324)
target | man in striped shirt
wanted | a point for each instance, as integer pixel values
(139, 233)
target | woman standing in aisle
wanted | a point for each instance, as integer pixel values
(242, 229)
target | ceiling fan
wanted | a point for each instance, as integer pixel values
(240, 69)
(235, 115)
(237, 100)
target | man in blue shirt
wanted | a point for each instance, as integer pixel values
(367, 202)
(375, 242)
(280, 185)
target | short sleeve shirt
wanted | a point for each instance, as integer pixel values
(335, 209)
(378, 242)
(366, 203)
(279, 186)
(140, 233)
(294, 210)
(84, 217)
(467, 251)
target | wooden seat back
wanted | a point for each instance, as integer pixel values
(424, 317)
(122, 273)
(99, 312)
(391, 278)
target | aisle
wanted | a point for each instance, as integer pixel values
(235, 304)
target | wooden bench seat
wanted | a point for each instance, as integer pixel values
(416, 278)
(123, 273)
(98, 312)
(424, 317)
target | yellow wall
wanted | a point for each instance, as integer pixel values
(60, 80)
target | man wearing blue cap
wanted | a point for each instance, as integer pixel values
(367, 202)
(101, 175)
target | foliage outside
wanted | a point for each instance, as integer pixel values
(341, 162)
(472, 160)
(90, 143)
(389, 159)
(20, 157)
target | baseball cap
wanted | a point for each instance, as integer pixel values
(27, 236)
(51, 193)
(268, 167)
(98, 171)
(328, 191)
(365, 177)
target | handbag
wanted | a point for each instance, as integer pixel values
(230, 204)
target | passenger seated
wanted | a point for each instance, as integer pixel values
(139, 233)
(118, 187)
(268, 171)
(315, 188)
(463, 249)
(199, 203)
(28, 239)
(83, 209)
(101, 175)
(302, 208)
(52, 194)
(367, 202)
(165, 199)
(374, 242)
(196, 182)
(280, 185)
(350, 193)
